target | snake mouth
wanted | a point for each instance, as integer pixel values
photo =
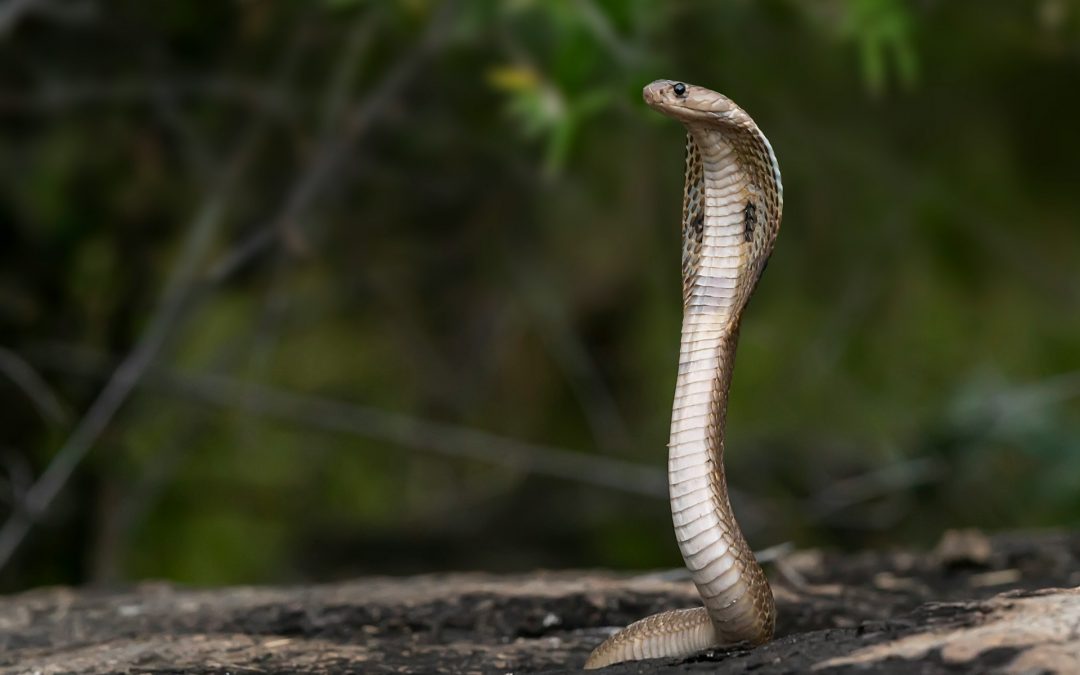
(661, 93)
(652, 91)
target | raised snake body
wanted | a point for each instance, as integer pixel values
(732, 202)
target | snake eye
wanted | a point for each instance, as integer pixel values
(679, 89)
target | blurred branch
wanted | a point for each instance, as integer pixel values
(14, 11)
(335, 147)
(609, 428)
(600, 24)
(995, 408)
(1053, 390)
(194, 149)
(276, 296)
(37, 390)
(879, 482)
(183, 285)
(337, 90)
(374, 423)
(16, 477)
(58, 96)
(123, 380)
(175, 299)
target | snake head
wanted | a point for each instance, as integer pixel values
(688, 103)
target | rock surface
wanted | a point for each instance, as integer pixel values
(975, 604)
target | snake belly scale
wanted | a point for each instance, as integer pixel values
(732, 204)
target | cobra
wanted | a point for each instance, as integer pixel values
(732, 203)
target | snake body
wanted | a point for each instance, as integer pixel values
(732, 203)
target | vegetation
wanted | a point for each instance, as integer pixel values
(301, 290)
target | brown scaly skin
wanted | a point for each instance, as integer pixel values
(732, 204)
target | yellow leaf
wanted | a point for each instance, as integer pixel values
(513, 78)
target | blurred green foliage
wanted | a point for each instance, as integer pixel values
(463, 214)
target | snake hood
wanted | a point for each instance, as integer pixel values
(698, 107)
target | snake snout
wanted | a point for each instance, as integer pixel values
(654, 93)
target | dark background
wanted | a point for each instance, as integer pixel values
(302, 290)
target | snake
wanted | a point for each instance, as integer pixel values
(732, 204)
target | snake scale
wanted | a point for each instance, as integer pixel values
(732, 203)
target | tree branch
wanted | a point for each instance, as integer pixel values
(370, 422)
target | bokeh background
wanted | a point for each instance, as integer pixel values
(302, 290)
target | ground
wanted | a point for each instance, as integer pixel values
(974, 604)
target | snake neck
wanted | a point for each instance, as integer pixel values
(716, 236)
